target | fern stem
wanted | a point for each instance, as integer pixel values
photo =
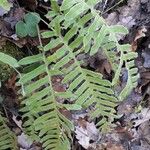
(50, 80)
(112, 7)
(47, 70)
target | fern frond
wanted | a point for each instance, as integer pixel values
(103, 97)
(87, 34)
(7, 137)
(89, 88)
(96, 33)
(41, 109)
(75, 27)
(133, 75)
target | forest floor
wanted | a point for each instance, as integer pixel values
(132, 129)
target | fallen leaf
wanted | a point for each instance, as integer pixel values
(10, 84)
(24, 141)
(86, 134)
(57, 85)
(66, 113)
(5, 28)
(82, 122)
(143, 116)
(104, 67)
(145, 75)
(140, 33)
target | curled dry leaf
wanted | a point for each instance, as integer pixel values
(104, 67)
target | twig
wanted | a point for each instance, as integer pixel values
(112, 7)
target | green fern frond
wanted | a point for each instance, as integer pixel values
(87, 87)
(7, 137)
(90, 38)
(133, 75)
(92, 26)
(41, 109)
(78, 30)
(103, 97)
(97, 34)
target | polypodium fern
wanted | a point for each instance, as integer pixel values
(87, 87)
(7, 137)
(75, 27)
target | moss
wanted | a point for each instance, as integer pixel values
(11, 49)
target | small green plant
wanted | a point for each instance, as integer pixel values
(28, 26)
(75, 27)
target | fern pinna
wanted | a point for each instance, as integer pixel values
(7, 137)
(75, 27)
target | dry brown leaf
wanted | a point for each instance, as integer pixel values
(66, 113)
(140, 33)
(145, 75)
(85, 134)
(57, 85)
(5, 28)
(104, 67)
(82, 122)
